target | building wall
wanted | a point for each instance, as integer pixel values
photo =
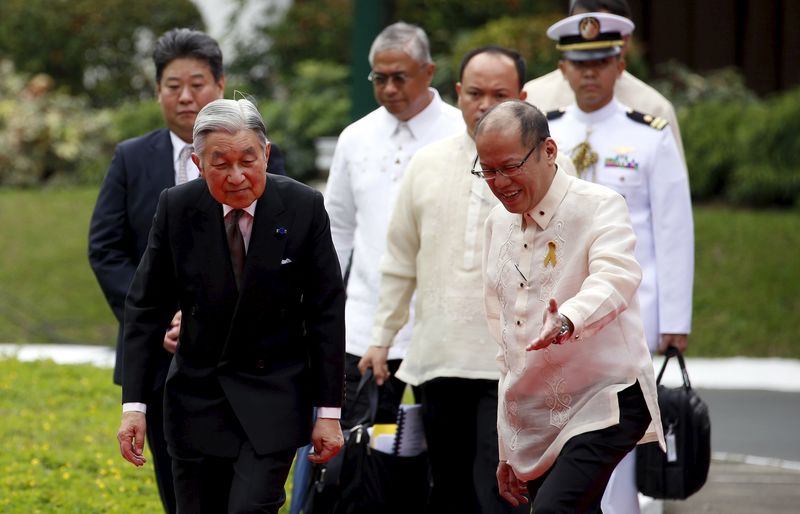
(760, 37)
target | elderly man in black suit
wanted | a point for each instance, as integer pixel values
(248, 258)
(189, 75)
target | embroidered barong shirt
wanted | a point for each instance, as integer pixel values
(577, 246)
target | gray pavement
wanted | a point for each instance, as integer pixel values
(741, 488)
(758, 423)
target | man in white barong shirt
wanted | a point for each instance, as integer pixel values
(370, 159)
(577, 390)
(635, 154)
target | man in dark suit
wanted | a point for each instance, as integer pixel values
(248, 258)
(188, 75)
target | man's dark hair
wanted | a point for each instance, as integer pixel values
(533, 126)
(187, 43)
(618, 7)
(519, 61)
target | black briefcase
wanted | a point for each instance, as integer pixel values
(683, 469)
(363, 480)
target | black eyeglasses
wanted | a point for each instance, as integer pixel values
(506, 171)
(382, 79)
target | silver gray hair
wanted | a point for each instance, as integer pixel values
(229, 116)
(404, 37)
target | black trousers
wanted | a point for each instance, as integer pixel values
(576, 481)
(390, 394)
(460, 418)
(248, 483)
(162, 462)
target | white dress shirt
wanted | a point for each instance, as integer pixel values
(192, 172)
(368, 163)
(548, 396)
(643, 165)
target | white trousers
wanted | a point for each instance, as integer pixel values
(622, 495)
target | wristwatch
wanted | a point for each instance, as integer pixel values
(566, 329)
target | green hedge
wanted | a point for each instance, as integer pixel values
(744, 153)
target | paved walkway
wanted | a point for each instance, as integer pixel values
(737, 483)
(738, 487)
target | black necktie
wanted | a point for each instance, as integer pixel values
(236, 244)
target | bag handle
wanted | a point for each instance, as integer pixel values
(674, 352)
(367, 384)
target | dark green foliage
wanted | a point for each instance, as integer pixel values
(712, 138)
(744, 152)
(686, 88)
(524, 34)
(445, 20)
(316, 103)
(99, 48)
(739, 149)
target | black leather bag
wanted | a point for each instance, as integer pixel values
(362, 480)
(683, 469)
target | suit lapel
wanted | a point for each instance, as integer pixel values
(161, 171)
(267, 239)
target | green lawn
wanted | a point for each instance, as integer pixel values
(60, 452)
(746, 286)
(59, 443)
(747, 283)
(48, 292)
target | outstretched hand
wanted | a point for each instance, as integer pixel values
(550, 328)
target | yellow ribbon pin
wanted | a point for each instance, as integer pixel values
(551, 254)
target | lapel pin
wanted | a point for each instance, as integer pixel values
(281, 232)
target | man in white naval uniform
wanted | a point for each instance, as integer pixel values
(370, 159)
(551, 91)
(633, 154)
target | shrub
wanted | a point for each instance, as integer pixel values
(527, 35)
(739, 149)
(686, 88)
(714, 136)
(46, 135)
(316, 103)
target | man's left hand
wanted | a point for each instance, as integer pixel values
(679, 341)
(327, 440)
